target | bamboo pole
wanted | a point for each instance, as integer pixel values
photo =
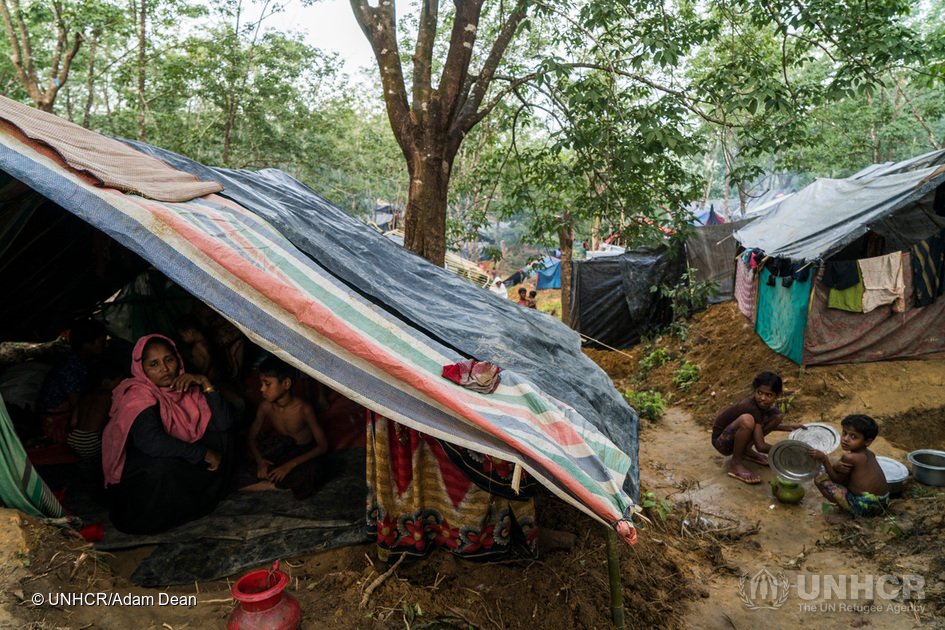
(616, 587)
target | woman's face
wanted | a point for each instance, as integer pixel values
(160, 364)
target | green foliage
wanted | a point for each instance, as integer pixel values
(653, 360)
(661, 506)
(786, 402)
(686, 375)
(686, 297)
(649, 404)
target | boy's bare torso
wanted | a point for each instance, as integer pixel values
(866, 475)
(290, 420)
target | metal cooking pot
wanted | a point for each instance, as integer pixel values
(928, 466)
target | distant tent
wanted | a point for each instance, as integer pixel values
(327, 294)
(611, 300)
(839, 247)
(547, 268)
(549, 273)
(707, 216)
(710, 250)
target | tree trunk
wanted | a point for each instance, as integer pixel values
(566, 243)
(90, 83)
(425, 217)
(142, 59)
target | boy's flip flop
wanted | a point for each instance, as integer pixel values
(745, 477)
(758, 458)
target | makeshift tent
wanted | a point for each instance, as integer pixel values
(706, 216)
(452, 261)
(611, 300)
(336, 299)
(891, 215)
(549, 273)
(711, 250)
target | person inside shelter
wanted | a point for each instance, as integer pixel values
(70, 379)
(167, 449)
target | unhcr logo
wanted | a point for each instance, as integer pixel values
(827, 593)
(764, 590)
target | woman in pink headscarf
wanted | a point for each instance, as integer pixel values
(165, 450)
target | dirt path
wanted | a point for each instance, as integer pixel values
(676, 463)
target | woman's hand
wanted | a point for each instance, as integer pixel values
(213, 460)
(185, 381)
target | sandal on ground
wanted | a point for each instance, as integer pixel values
(756, 458)
(745, 477)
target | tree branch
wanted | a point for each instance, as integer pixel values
(423, 58)
(469, 114)
(379, 26)
(456, 68)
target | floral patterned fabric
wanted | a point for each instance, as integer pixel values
(418, 500)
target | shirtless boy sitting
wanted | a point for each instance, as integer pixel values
(291, 458)
(856, 482)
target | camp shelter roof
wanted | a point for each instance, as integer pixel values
(336, 299)
(829, 214)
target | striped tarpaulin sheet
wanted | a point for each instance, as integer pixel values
(284, 301)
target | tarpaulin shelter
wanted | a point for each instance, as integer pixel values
(549, 273)
(710, 251)
(881, 229)
(337, 300)
(611, 298)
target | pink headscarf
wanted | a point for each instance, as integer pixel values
(185, 415)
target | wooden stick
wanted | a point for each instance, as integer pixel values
(379, 580)
(606, 346)
(616, 588)
(517, 478)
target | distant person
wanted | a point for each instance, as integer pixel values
(290, 459)
(740, 429)
(533, 299)
(190, 331)
(70, 378)
(856, 483)
(85, 439)
(498, 287)
(523, 297)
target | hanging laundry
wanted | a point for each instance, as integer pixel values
(841, 274)
(745, 289)
(883, 282)
(928, 269)
(850, 298)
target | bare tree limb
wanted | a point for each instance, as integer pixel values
(456, 68)
(470, 108)
(379, 26)
(423, 58)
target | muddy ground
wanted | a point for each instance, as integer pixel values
(698, 564)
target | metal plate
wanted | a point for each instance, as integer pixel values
(789, 460)
(818, 435)
(894, 470)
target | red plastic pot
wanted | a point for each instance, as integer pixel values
(262, 603)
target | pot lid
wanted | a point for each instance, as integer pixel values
(818, 435)
(894, 470)
(789, 459)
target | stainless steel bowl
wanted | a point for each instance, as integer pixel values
(895, 472)
(928, 466)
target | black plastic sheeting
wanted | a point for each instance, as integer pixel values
(611, 300)
(471, 320)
